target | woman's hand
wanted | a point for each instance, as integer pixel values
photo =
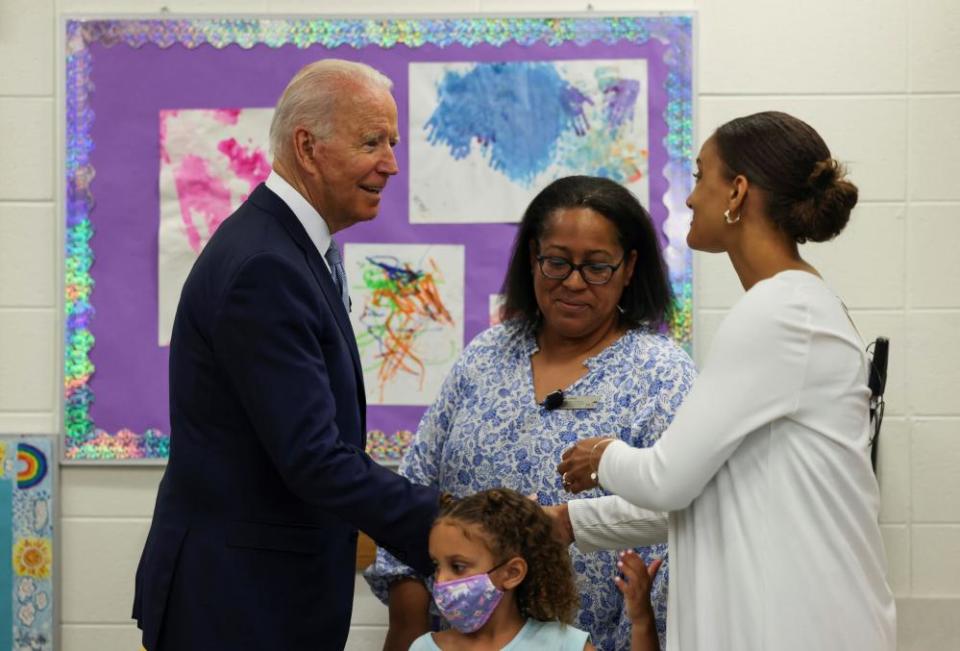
(579, 464)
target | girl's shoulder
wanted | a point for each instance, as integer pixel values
(534, 635)
(424, 643)
(548, 635)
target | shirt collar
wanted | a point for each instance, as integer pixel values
(313, 223)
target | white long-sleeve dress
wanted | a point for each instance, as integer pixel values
(765, 473)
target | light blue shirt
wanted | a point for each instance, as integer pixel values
(534, 636)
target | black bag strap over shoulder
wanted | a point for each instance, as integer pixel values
(879, 351)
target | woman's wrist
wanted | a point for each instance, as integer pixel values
(596, 454)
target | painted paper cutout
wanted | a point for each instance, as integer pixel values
(508, 129)
(210, 161)
(407, 316)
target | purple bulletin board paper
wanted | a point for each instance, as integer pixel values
(121, 74)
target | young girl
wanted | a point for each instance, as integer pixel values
(504, 582)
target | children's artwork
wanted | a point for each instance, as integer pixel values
(491, 109)
(210, 161)
(26, 543)
(407, 315)
(508, 129)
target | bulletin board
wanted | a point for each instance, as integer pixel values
(166, 133)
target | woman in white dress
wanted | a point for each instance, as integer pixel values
(765, 470)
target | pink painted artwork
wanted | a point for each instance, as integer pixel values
(210, 161)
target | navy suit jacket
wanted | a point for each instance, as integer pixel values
(254, 532)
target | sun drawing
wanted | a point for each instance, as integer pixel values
(33, 557)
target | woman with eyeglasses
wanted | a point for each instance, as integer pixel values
(765, 471)
(580, 348)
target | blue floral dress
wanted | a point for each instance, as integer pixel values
(486, 430)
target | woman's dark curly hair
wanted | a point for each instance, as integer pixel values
(514, 525)
(647, 300)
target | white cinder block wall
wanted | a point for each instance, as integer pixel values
(880, 79)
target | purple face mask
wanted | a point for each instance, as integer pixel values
(467, 603)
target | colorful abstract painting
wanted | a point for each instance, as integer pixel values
(26, 543)
(511, 128)
(210, 161)
(158, 151)
(407, 316)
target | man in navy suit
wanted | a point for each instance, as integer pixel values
(254, 532)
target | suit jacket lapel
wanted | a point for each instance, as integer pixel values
(266, 199)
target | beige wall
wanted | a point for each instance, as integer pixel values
(879, 78)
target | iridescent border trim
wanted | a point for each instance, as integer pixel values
(83, 439)
(78, 255)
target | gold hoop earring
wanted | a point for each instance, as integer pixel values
(730, 220)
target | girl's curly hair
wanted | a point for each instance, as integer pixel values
(514, 525)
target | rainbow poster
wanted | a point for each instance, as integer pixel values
(26, 542)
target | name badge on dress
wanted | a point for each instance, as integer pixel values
(579, 402)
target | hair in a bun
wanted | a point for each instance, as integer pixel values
(824, 173)
(808, 195)
(825, 212)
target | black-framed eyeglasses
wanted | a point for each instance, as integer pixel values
(594, 273)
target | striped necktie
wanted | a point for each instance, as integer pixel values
(339, 273)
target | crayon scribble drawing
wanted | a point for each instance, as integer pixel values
(408, 317)
(210, 161)
(486, 137)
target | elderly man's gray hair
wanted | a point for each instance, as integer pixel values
(310, 97)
